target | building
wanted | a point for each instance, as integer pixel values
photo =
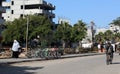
(91, 31)
(2, 10)
(114, 28)
(19, 8)
(63, 20)
(103, 30)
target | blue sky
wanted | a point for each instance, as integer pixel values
(102, 12)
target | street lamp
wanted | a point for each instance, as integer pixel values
(93, 30)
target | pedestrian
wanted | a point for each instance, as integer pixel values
(99, 46)
(15, 49)
(119, 48)
(109, 52)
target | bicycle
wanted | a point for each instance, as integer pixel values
(109, 58)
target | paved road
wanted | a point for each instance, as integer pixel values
(79, 65)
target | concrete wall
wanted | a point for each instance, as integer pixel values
(16, 8)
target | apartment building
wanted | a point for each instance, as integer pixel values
(20, 8)
(2, 10)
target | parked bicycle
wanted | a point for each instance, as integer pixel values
(46, 53)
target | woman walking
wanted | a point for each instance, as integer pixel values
(15, 48)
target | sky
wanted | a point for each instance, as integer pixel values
(102, 12)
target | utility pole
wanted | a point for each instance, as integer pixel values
(26, 26)
(92, 30)
(27, 34)
(23, 8)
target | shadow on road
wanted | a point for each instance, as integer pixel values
(116, 63)
(8, 69)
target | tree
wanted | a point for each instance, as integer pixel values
(38, 26)
(109, 35)
(102, 37)
(41, 26)
(99, 37)
(15, 30)
(79, 31)
(63, 33)
(116, 21)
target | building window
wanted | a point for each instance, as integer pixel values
(0, 3)
(12, 3)
(21, 15)
(2, 17)
(21, 7)
(12, 12)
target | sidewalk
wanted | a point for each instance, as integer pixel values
(18, 60)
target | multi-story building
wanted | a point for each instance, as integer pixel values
(63, 20)
(19, 8)
(114, 28)
(2, 10)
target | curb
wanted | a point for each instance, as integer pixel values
(62, 57)
(82, 55)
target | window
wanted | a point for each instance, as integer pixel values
(21, 7)
(12, 12)
(21, 15)
(2, 17)
(12, 3)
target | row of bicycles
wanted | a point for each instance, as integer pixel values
(46, 53)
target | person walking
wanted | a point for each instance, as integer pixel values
(15, 49)
(109, 53)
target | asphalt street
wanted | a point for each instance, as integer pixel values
(78, 65)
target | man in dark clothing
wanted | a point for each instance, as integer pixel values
(109, 53)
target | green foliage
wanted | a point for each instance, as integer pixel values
(38, 26)
(109, 35)
(99, 37)
(15, 30)
(41, 26)
(102, 37)
(63, 32)
(116, 21)
(79, 31)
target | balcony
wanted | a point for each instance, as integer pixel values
(33, 11)
(51, 14)
(47, 6)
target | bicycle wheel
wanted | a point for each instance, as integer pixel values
(107, 59)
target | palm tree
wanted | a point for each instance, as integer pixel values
(63, 33)
(79, 31)
(116, 21)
